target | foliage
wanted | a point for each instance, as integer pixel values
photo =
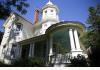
(7, 6)
(4, 65)
(30, 62)
(93, 56)
(92, 38)
(78, 61)
(59, 49)
(89, 39)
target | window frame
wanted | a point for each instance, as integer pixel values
(19, 26)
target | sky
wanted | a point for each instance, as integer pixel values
(69, 10)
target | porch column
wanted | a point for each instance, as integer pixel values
(77, 40)
(31, 52)
(17, 51)
(71, 40)
(47, 52)
(51, 45)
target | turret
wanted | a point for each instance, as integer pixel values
(49, 16)
(50, 12)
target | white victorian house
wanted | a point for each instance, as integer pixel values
(51, 39)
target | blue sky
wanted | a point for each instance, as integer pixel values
(69, 10)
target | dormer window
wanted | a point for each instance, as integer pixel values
(18, 26)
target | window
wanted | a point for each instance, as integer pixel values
(14, 45)
(4, 46)
(51, 10)
(18, 26)
(46, 11)
(17, 33)
(61, 41)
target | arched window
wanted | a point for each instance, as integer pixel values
(61, 41)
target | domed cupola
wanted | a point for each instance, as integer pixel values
(50, 12)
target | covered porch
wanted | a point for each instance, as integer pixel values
(57, 46)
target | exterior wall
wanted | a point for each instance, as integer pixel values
(27, 31)
(37, 30)
(5, 41)
(10, 37)
(46, 25)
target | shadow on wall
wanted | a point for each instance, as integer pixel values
(1, 36)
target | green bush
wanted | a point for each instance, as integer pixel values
(30, 62)
(4, 65)
(79, 61)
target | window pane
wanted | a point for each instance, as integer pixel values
(51, 10)
(19, 27)
(46, 11)
(61, 41)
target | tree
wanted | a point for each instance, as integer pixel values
(6, 7)
(94, 20)
(91, 38)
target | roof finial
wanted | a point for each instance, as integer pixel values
(49, 2)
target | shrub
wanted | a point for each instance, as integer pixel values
(30, 62)
(78, 61)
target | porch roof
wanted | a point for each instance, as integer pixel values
(33, 39)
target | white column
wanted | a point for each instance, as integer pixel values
(1, 52)
(51, 45)
(77, 40)
(18, 51)
(31, 52)
(71, 40)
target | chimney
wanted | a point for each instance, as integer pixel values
(36, 16)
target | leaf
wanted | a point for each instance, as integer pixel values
(23, 11)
